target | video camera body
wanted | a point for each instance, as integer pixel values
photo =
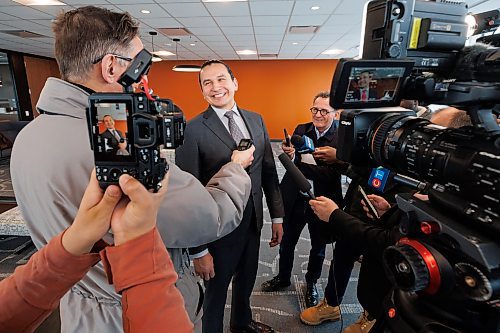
(147, 124)
(446, 269)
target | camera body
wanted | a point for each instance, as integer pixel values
(127, 131)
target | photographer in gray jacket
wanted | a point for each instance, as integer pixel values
(52, 159)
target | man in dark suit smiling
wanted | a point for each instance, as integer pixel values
(210, 139)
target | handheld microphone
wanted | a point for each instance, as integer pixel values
(303, 144)
(296, 175)
(378, 178)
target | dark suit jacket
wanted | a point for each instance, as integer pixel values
(326, 178)
(112, 141)
(372, 94)
(208, 146)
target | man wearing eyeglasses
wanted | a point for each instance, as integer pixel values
(52, 161)
(326, 182)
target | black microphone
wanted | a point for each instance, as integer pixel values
(296, 175)
(303, 144)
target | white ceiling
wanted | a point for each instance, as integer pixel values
(219, 29)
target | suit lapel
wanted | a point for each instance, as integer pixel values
(252, 126)
(212, 121)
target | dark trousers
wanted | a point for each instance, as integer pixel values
(292, 228)
(235, 256)
(344, 256)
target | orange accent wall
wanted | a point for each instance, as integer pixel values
(280, 90)
(37, 71)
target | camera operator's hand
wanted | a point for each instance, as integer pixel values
(136, 214)
(289, 150)
(243, 157)
(323, 207)
(277, 234)
(204, 267)
(93, 219)
(326, 154)
(379, 203)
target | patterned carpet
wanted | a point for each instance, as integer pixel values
(281, 309)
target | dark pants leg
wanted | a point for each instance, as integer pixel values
(317, 252)
(292, 228)
(227, 253)
(344, 256)
(244, 280)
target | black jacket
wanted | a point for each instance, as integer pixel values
(326, 178)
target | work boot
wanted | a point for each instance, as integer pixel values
(362, 325)
(322, 312)
(274, 284)
(312, 297)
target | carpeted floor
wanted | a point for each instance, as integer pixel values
(281, 309)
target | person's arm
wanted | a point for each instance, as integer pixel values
(270, 185)
(33, 291)
(30, 295)
(141, 270)
(139, 265)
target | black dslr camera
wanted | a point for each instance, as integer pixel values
(446, 269)
(127, 130)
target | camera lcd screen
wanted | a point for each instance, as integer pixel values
(112, 134)
(360, 84)
(373, 84)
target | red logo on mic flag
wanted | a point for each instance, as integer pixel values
(376, 183)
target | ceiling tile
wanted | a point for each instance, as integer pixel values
(351, 7)
(326, 7)
(25, 12)
(270, 21)
(342, 20)
(185, 9)
(198, 22)
(271, 7)
(54, 10)
(238, 31)
(305, 20)
(270, 30)
(135, 10)
(213, 38)
(164, 22)
(205, 31)
(236, 21)
(275, 37)
(228, 8)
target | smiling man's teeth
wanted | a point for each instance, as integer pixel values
(219, 95)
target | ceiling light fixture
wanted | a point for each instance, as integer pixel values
(295, 43)
(155, 58)
(315, 7)
(192, 44)
(184, 68)
(40, 2)
(145, 11)
(246, 52)
(333, 52)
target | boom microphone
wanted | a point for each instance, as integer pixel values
(297, 176)
(303, 144)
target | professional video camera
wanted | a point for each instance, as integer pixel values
(146, 124)
(446, 270)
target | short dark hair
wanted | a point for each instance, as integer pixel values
(321, 94)
(215, 61)
(83, 35)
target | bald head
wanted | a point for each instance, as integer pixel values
(451, 117)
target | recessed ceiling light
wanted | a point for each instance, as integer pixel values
(246, 52)
(222, 0)
(315, 7)
(40, 2)
(145, 11)
(192, 44)
(163, 53)
(156, 59)
(186, 68)
(333, 52)
(295, 43)
(168, 44)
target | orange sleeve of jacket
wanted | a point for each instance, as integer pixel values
(143, 273)
(31, 294)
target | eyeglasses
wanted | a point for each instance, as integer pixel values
(116, 55)
(322, 112)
